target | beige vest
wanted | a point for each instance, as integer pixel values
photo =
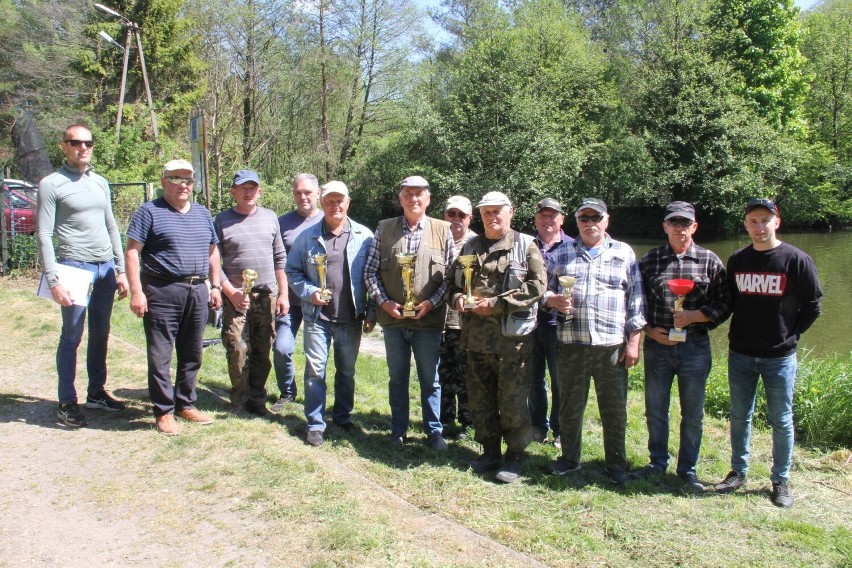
(429, 270)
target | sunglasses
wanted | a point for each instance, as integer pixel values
(679, 222)
(456, 214)
(177, 180)
(592, 218)
(78, 143)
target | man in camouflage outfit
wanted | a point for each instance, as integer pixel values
(496, 333)
(452, 368)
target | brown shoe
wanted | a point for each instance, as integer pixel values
(193, 415)
(166, 425)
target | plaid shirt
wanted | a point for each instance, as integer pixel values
(608, 301)
(710, 295)
(412, 239)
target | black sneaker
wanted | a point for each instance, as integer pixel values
(437, 443)
(398, 441)
(562, 467)
(485, 462)
(690, 481)
(510, 471)
(618, 476)
(104, 402)
(647, 472)
(731, 483)
(781, 496)
(70, 415)
(282, 402)
(315, 438)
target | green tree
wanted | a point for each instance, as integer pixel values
(760, 39)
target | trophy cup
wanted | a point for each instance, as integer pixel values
(468, 261)
(322, 264)
(680, 287)
(249, 278)
(406, 261)
(567, 283)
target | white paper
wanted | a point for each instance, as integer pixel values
(77, 281)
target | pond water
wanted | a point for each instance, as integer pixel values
(832, 254)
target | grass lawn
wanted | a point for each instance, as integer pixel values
(356, 501)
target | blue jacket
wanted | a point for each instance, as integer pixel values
(303, 278)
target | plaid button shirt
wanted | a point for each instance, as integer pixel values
(608, 300)
(710, 295)
(412, 237)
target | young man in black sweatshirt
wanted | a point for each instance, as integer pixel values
(776, 296)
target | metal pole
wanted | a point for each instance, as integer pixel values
(145, 81)
(204, 155)
(123, 85)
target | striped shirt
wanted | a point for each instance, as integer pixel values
(250, 242)
(710, 295)
(176, 245)
(608, 300)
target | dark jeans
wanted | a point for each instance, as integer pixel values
(577, 365)
(690, 361)
(544, 359)
(175, 320)
(286, 328)
(73, 321)
(247, 339)
(452, 374)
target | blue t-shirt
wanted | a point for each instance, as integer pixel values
(175, 245)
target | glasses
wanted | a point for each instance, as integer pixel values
(456, 214)
(679, 222)
(177, 180)
(588, 218)
(78, 143)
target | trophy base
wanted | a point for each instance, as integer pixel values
(408, 313)
(677, 335)
(325, 295)
(469, 305)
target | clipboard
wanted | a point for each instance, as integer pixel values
(77, 281)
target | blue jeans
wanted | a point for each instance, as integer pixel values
(73, 319)
(286, 328)
(318, 336)
(779, 376)
(690, 361)
(544, 358)
(400, 341)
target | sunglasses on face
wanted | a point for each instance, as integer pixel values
(456, 215)
(592, 218)
(78, 143)
(679, 222)
(177, 180)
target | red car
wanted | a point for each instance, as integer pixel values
(19, 206)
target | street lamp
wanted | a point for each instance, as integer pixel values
(133, 30)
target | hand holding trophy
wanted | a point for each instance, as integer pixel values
(468, 261)
(406, 261)
(567, 283)
(679, 287)
(322, 264)
(249, 278)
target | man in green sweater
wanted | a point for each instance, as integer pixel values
(74, 206)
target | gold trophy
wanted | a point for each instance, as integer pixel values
(406, 261)
(322, 265)
(468, 261)
(567, 283)
(249, 278)
(680, 287)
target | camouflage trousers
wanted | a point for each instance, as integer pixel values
(498, 386)
(452, 374)
(576, 366)
(247, 339)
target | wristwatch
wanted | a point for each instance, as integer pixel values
(216, 287)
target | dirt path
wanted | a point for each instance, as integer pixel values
(118, 494)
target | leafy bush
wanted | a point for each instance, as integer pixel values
(23, 252)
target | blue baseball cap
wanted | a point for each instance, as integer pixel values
(243, 176)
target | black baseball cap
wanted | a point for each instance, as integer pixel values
(680, 209)
(549, 203)
(592, 203)
(757, 202)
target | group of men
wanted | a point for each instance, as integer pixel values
(484, 316)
